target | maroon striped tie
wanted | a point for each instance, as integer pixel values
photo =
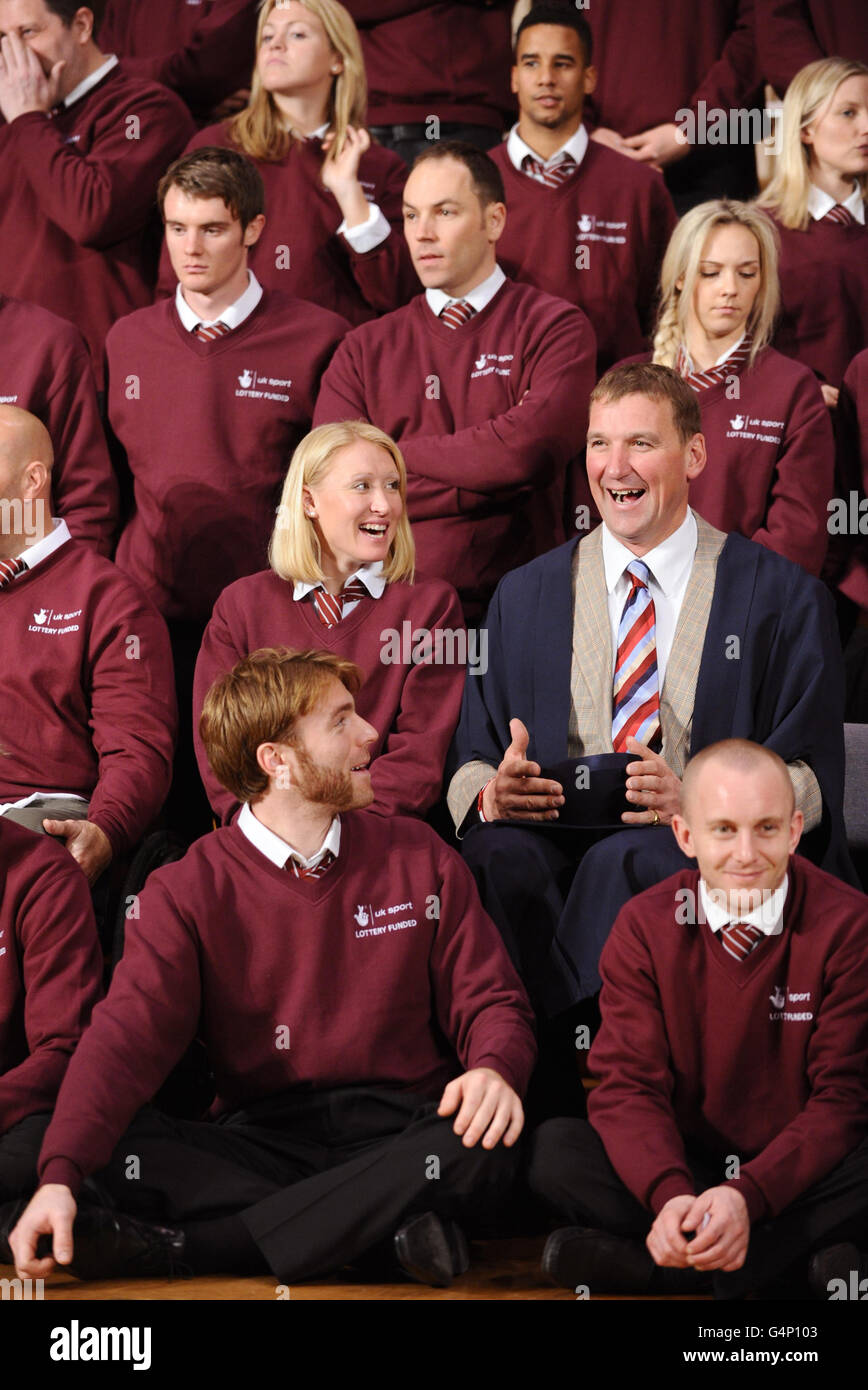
(207, 334)
(714, 376)
(457, 313)
(10, 570)
(839, 214)
(330, 607)
(553, 177)
(739, 939)
(316, 871)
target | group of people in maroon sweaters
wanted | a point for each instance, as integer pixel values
(432, 493)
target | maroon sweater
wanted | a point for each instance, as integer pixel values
(448, 59)
(50, 968)
(487, 416)
(87, 700)
(208, 430)
(848, 554)
(598, 241)
(656, 58)
(766, 1059)
(202, 49)
(350, 979)
(77, 201)
(45, 368)
(300, 252)
(824, 296)
(414, 708)
(792, 33)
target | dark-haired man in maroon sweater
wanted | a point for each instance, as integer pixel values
(350, 1010)
(483, 382)
(81, 147)
(734, 1044)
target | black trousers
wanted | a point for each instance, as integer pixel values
(555, 895)
(318, 1178)
(570, 1172)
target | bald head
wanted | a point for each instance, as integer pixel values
(737, 755)
(26, 457)
(23, 440)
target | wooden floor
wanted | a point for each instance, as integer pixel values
(500, 1270)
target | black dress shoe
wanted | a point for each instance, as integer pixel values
(843, 1261)
(603, 1263)
(107, 1244)
(431, 1250)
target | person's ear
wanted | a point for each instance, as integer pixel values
(495, 220)
(797, 825)
(681, 831)
(590, 80)
(253, 230)
(308, 502)
(697, 456)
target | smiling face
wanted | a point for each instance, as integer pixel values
(727, 282)
(741, 827)
(451, 237)
(837, 139)
(206, 245)
(356, 507)
(639, 469)
(328, 760)
(550, 78)
(295, 56)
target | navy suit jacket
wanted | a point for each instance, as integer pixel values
(786, 691)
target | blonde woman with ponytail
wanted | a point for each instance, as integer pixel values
(769, 439)
(818, 201)
(334, 232)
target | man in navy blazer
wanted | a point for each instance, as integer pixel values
(744, 644)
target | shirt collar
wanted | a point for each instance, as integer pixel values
(820, 202)
(233, 317)
(768, 917)
(517, 149)
(478, 297)
(277, 850)
(370, 575)
(667, 561)
(720, 361)
(90, 82)
(35, 554)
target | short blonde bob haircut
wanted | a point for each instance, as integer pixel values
(681, 264)
(294, 551)
(259, 701)
(259, 130)
(809, 95)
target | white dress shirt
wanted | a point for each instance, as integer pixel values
(820, 202)
(53, 540)
(669, 565)
(276, 849)
(233, 317)
(688, 360)
(478, 297)
(90, 82)
(370, 575)
(768, 917)
(518, 149)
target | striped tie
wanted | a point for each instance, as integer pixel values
(316, 871)
(212, 331)
(553, 177)
(457, 313)
(636, 700)
(739, 939)
(10, 570)
(839, 214)
(330, 607)
(714, 376)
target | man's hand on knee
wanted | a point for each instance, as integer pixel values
(489, 1107)
(517, 791)
(51, 1211)
(89, 846)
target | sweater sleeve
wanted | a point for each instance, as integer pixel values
(214, 63)
(137, 1035)
(61, 971)
(540, 433)
(662, 218)
(848, 554)
(632, 1109)
(408, 774)
(803, 481)
(107, 195)
(385, 275)
(219, 652)
(482, 736)
(785, 40)
(835, 1117)
(84, 486)
(131, 689)
(736, 74)
(481, 1004)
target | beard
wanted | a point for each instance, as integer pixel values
(324, 787)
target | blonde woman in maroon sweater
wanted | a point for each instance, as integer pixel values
(342, 580)
(770, 445)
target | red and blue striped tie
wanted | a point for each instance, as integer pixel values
(635, 696)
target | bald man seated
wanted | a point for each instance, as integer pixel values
(87, 702)
(734, 1042)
